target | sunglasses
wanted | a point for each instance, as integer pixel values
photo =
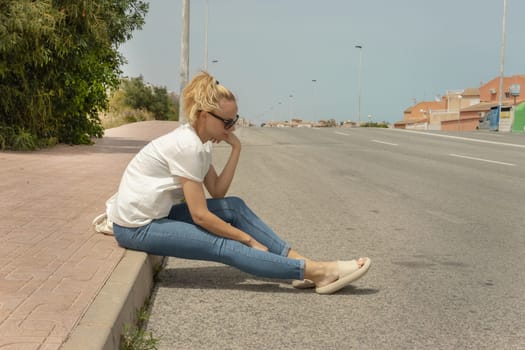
(228, 123)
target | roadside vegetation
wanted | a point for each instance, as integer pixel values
(136, 101)
(374, 125)
(58, 60)
(136, 337)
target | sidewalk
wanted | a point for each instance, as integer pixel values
(58, 279)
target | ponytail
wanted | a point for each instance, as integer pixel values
(203, 93)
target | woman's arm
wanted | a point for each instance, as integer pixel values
(196, 201)
(218, 185)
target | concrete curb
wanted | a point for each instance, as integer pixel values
(126, 290)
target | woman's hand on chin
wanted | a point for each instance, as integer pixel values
(232, 140)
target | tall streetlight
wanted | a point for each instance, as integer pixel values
(315, 98)
(184, 53)
(502, 63)
(360, 47)
(206, 39)
(459, 111)
(291, 109)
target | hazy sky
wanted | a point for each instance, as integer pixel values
(268, 50)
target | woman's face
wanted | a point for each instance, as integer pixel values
(220, 122)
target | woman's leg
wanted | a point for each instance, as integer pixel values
(185, 240)
(235, 211)
(182, 238)
(174, 238)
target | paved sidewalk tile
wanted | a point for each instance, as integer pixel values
(52, 264)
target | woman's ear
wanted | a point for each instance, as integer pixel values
(202, 116)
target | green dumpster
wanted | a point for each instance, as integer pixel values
(519, 118)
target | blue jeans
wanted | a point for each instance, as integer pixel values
(178, 236)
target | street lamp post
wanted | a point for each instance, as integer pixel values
(360, 47)
(291, 110)
(459, 111)
(184, 53)
(206, 39)
(502, 63)
(315, 98)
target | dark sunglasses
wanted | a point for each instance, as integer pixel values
(228, 123)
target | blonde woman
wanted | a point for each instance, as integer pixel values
(161, 207)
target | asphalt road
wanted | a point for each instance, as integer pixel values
(441, 217)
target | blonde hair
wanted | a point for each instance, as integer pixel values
(203, 93)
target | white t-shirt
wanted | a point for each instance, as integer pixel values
(150, 185)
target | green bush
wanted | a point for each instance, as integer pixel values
(154, 99)
(6, 135)
(58, 58)
(23, 141)
(47, 142)
(136, 337)
(3, 142)
(374, 125)
(136, 101)
(20, 139)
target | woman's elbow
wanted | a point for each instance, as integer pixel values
(199, 218)
(217, 193)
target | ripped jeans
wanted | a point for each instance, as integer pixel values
(178, 236)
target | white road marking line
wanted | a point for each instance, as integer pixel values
(481, 159)
(385, 143)
(463, 138)
(340, 133)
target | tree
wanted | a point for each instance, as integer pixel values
(58, 58)
(154, 99)
(137, 94)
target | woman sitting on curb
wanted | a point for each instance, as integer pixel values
(161, 207)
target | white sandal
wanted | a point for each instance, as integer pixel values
(349, 271)
(303, 284)
(102, 224)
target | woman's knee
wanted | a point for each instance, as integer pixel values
(235, 202)
(228, 208)
(122, 237)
